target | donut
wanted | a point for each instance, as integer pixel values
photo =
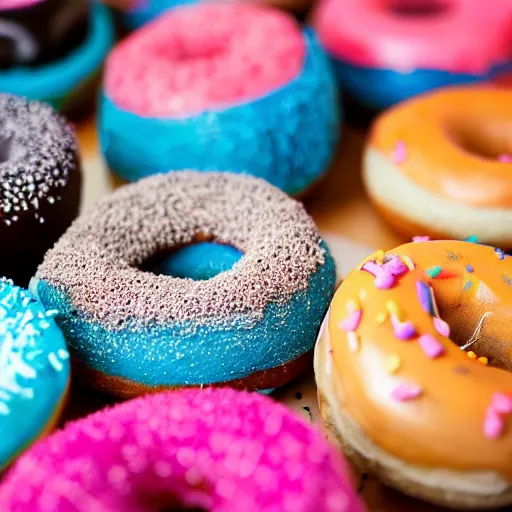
(133, 331)
(388, 50)
(216, 450)
(439, 165)
(410, 366)
(52, 50)
(34, 371)
(135, 14)
(222, 87)
(40, 183)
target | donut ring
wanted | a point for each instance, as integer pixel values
(40, 175)
(243, 76)
(390, 355)
(216, 450)
(451, 177)
(386, 51)
(136, 332)
(34, 371)
(68, 80)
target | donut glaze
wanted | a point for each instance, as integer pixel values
(432, 419)
(40, 175)
(66, 80)
(388, 50)
(441, 163)
(213, 450)
(147, 331)
(34, 371)
(249, 79)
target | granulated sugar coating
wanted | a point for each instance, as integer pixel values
(206, 56)
(96, 262)
(219, 450)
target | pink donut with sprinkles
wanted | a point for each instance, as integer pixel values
(213, 450)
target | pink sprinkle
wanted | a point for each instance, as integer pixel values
(441, 327)
(505, 158)
(387, 273)
(400, 153)
(403, 392)
(501, 403)
(351, 322)
(402, 330)
(420, 238)
(493, 424)
(431, 346)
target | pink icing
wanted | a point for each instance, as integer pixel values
(351, 322)
(371, 33)
(420, 238)
(403, 330)
(502, 403)
(18, 4)
(204, 56)
(431, 346)
(493, 424)
(406, 391)
(215, 449)
(442, 327)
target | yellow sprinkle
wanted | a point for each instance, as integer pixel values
(393, 363)
(395, 309)
(382, 317)
(379, 255)
(483, 360)
(353, 305)
(408, 262)
(362, 294)
(471, 355)
(353, 341)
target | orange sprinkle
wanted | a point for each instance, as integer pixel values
(483, 360)
(472, 355)
(393, 363)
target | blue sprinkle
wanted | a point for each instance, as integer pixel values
(473, 239)
(499, 253)
(468, 285)
(470, 268)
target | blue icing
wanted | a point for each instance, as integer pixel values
(34, 369)
(149, 10)
(191, 353)
(55, 81)
(377, 89)
(287, 137)
(198, 261)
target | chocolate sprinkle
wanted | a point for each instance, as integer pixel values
(96, 262)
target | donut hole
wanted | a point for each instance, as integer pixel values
(488, 140)
(417, 8)
(199, 261)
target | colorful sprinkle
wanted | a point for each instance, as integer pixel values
(386, 274)
(425, 297)
(470, 268)
(381, 318)
(393, 363)
(394, 309)
(352, 305)
(505, 158)
(467, 286)
(493, 424)
(404, 391)
(420, 238)
(403, 330)
(499, 253)
(472, 239)
(441, 327)
(434, 272)
(432, 347)
(399, 153)
(502, 403)
(408, 262)
(483, 360)
(363, 294)
(353, 341)
(351, 322)
(472, 355)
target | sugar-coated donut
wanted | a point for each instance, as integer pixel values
(388, 50)
(52, 50)
(34, 371)
(410, 367)
(223, 87)
(134, 331)
(440, 165)
(213, 450)
(40, 182)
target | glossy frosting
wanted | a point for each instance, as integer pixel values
(453, 143)
(57, 81)
(395, 327)
(34, 370)
(288, 135)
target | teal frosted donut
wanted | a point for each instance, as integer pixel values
(34, 371)
(223, 87)
(249, 320)
(66, 81)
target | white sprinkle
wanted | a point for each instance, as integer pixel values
(57, 365)
(63, 354)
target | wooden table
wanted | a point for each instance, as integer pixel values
(341, 209)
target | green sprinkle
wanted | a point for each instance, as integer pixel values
(473, 239)
(433, 272)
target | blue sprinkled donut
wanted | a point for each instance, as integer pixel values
(132, 330)
(34, 371)
(68, 80)
(194, 90)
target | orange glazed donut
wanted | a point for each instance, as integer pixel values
(410, 367)
(441, 164)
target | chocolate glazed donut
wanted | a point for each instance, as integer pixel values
(39, 32)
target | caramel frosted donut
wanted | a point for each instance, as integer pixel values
(441, 164)
(410, 369)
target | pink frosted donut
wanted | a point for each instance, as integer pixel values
(189, 64)
(405, 35)
(216, 450)
(18, 4)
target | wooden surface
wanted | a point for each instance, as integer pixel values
(350, 226)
